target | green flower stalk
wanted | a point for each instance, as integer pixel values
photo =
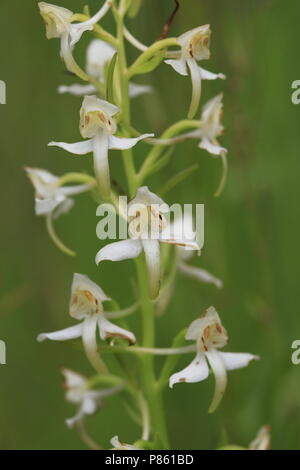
(159, 248)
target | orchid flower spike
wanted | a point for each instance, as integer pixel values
(98, 126)
(86, 305)
(79, 393)
(194, 47)
(210, 336)
(52, 200)
(117, 445)
(147, 229)
(58, 21)
(185, 225)
(99, 55)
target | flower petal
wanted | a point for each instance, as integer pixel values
(214, 149)
(101, 165)
(70, 422)
(109, 330)
(45, 206)
(90, 344)
(119, 251)
(82, 283)
(135, 89)
(152, 254)
(73, 379)
(63, 208)
(78, 148)
(234, 361)
(62, 335)
(76, 89)
(99, 53)
(122, 143)
(196, 371)
(179, 65)
(206, 75)
(199, 274)
(218, 367)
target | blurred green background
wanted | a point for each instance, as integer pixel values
(252, 231)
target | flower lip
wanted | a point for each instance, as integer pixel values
(96, 114)
(56, 18)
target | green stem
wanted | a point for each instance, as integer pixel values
(152, 394)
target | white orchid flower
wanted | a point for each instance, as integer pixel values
(194, 47)
(211, 127)
(99, 55)
(184, 225)
(86, 305)
(147, 228)
(53, 200)
(79, 393)
(117, 445)
(58, 25)
(210, 336)
(50, 198)
(98, 126)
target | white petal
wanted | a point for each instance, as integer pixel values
(135, 89)
(77, 90)
(234, 361)
(146, 197)
(73, 379)
(196, 371)
(122, 143)
(70, 422)
(218, 367)
(99, 53)
(92, 104)
(63, 208)
(45, 206)
(72, 190)
(197, 326)
(78, 29)
(109, 330)
(118, 251)
(89, 405)
(212, 148)
(90, 343)
(211, 105)
(115, 442)
(68, 333)
(78, 148)
(206, 75)
(101, 166)
(82, 283)
(181, 243)
(152, 254)
(179, 65)
(199, 274)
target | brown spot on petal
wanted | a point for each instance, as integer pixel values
(206, 332)
(182, 380)
(89, 295)
(219, 328)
